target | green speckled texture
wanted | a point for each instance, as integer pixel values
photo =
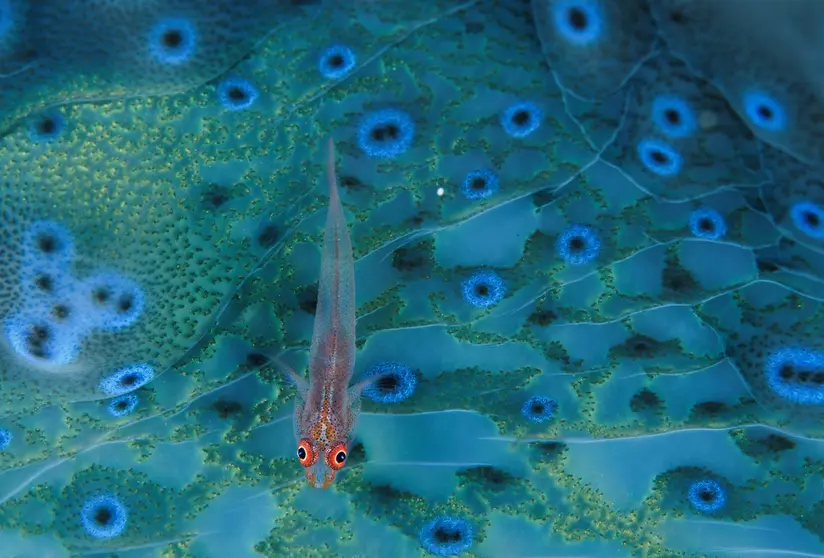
(655, 352)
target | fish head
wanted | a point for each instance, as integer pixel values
(322, 459)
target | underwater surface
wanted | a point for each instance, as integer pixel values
(589, 263)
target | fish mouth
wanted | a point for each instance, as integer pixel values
(312, 478)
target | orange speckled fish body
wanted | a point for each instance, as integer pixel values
(327, 408)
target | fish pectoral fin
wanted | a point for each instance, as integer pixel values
(288, 372)
(292, 376)
(357, 389)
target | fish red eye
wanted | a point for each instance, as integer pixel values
(336, 456)
(306, 455)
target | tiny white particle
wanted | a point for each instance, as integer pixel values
(440, 192)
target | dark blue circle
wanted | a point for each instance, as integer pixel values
(104, 517)
(51, 346)
(48, 242)
(172, 41)
(446, 536)
(479, 184)
(114, 301)
(127, 379)
(578, 22)
(673, 116)
(236, 93)
(765, 111)
(539, 408)
(578, 245)
(405, 383)
(336, 61)
(521, 119)
(385, 133)
(706, 222)
(46, 126)
(483, 289)
(123, 405)
(659, 157)
(796, 374)
(808, 218)
(707, 496)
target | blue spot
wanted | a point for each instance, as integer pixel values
(48, 242)
(521, 119)
(398, 386)
(69, 313)
(673, 116)
(336, 61)
(659, 157)
(51, 298)
(114, 301)
(35, 338)
(707, 496)
(808, 218)
(46, 126)
(483, 289)
(578, 21)
(707, 223)
(539, 408)
(172, 41)
(578, 245)
(446, 536)
(385, 133)
(5, 438)
(797, 375)
(123, 405)
(479, 184)
(236, 93)
(764, 111)
(127, 379)
(44, 281)
(104, 517)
